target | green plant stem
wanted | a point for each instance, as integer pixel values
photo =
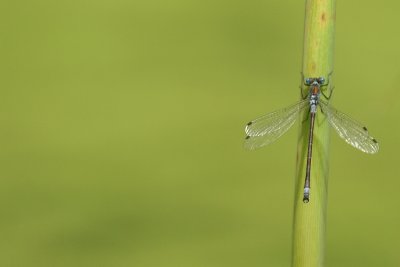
(310, 219)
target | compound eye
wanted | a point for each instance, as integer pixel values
(321, 80)
(308, 81)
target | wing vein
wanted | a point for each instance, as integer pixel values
(351, 131)
(266, 129)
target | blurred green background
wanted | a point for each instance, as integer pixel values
(121, 129)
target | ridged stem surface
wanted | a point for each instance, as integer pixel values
(310, 218)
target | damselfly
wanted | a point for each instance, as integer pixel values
(268, 128)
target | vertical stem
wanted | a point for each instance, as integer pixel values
(310, 219)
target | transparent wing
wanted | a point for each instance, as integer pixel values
(268, 128)
(350, 130)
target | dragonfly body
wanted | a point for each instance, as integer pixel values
(314, 94)
(270, 127)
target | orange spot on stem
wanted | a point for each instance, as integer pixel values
(323, 17)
